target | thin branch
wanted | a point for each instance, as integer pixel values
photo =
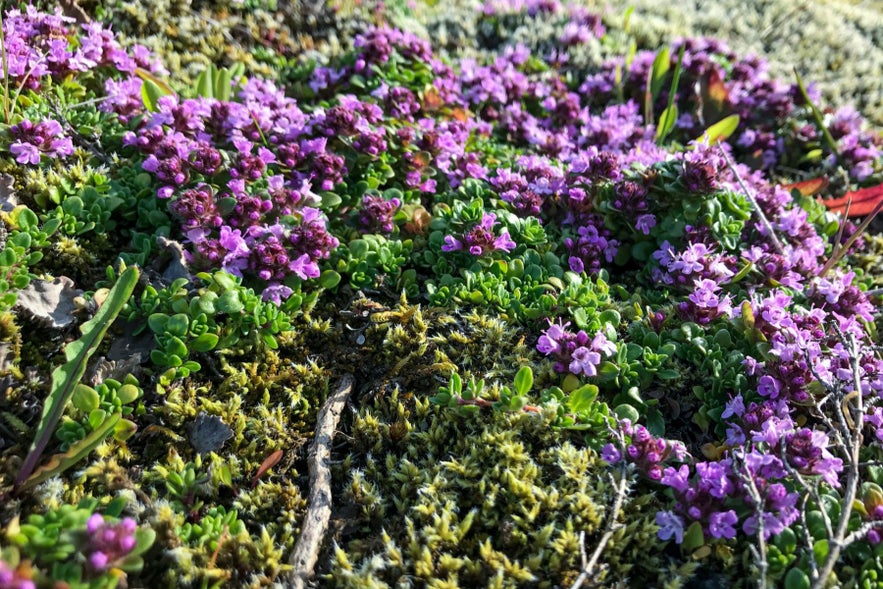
(764, 221)
(306, 551)
(759, 551)
(841, 538)
(612, 526)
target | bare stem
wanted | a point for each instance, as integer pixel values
(588, 567)
(759, 551)
(306, 551)
(841, 538)
(763, 220)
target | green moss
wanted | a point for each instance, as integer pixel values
(497, 499)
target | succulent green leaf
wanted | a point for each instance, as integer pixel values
(523, 380)
(582, 399)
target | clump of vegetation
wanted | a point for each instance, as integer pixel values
(593, 319)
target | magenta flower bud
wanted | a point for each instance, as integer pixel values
(96, 521)
(98, 560)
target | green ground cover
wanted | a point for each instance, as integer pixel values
(564, 272)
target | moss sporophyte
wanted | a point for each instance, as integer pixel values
(598, 322)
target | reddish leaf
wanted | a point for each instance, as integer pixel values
(266, 465)
(808, 187)
(714, 96)
(864, 201)
(432, 100)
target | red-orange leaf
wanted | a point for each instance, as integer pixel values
(715, 97)
(864, 201)
(266, 465)
(808, 187)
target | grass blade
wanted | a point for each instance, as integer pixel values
(66, 377)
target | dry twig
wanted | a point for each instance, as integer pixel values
(306, 551)
(588, 566)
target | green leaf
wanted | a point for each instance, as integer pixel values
(655, 422)
(721, 130)
(523, 380)
(329, 279)
(667, 121)
(670, 114)
(27, 219)
(178, 325)
(85, 398)
(204, 84)
(456, 385)
(626, 411)
(661, 65)
(582, 399)
(204, 343)
(96, 418)
(151, 92)
(796, 579)
(224, 84)
(693, 538)
(229, 303)
(330, 200)
(128, 393)
(59, 463)
(77, 353)
(124, 430)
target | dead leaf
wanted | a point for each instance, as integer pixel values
(863, 202)
(50, 302)
(268, 463)
(208, 433)
(808, 187)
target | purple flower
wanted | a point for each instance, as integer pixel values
(31, 141)
(670, 526)
(722, 524)
(645, 223)
(584, 361)
(480, 240)
(610, 454)
(677, 479)
(108, 542)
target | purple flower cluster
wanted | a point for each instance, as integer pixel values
(31, 141)
(575, 352)
(592, 243)
(693, 265)
(38, 44)
(859, 149)
(480, 240)
(273, 154)
(705, 303)
(377, 213)
(646, 452)
(108, 543)
(14, 578)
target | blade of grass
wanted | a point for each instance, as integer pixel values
(852, 239)
(817, 115)
(77, 353)
(669, 115)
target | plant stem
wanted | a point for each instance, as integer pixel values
(764, 221)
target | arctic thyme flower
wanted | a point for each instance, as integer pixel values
(670, 526)
(377, 213)
(481, 240)
(31, 141)
(107, 542)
